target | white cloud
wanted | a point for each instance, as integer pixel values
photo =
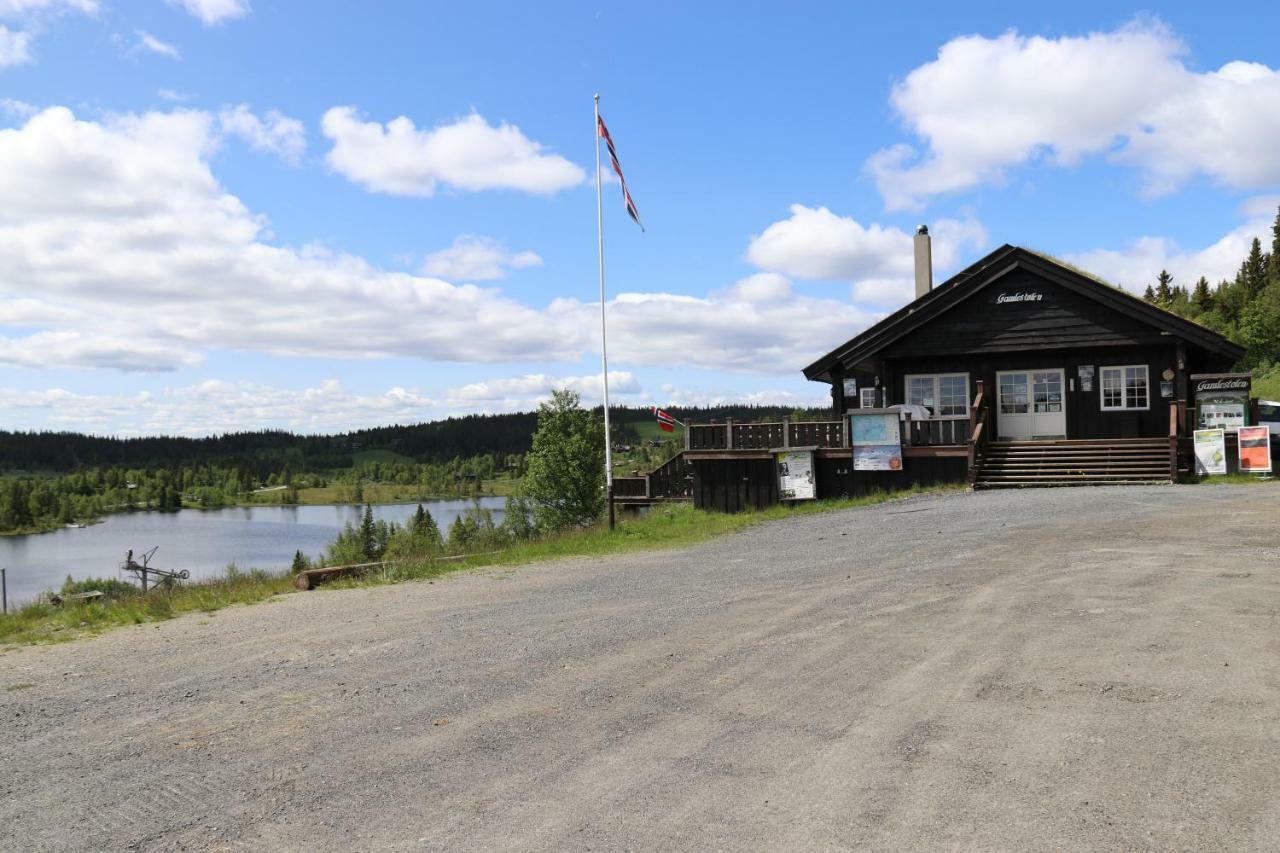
(473, 258)
(18, 109)
(215, 406)
(172, 96)
(15, 47)
(520, 393)
(1136, 265)
(879, 260)
(211, 12)
(754, 326)
(119, 248)
(275, 132)
(151, 44)
(986, 105)
(24, 8)
(673, 395)
(470, 154)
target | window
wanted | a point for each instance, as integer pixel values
(868, 399)
(1125, 388)
(945, 395)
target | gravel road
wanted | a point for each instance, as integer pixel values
(1059, 669)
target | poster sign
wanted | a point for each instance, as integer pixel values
(1255, 450)
(795, 476)
(876, 440)
(851, 389)
(1211, 451)
(1085, 372)
(1222, 400)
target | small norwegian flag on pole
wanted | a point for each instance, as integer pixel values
(665, 422)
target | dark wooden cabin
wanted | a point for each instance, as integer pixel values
(1062, 355)
(1018, 371)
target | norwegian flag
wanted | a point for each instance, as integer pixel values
(665, 422)
(617, 168)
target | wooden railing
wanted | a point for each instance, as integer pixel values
(630, 487)
(1173, 441)
(764, 436)
(673, 480)
(979, 432)
(932, 433)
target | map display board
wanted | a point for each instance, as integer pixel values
(1211, 451)
(1254, 450)
(795, 476)
(876, 440)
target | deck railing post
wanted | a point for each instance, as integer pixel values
(786, 433)
(728, 433)
(687, 425)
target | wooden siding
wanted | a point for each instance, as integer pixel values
(1060, 319)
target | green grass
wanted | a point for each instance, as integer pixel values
(670, 526)
(1266, 385)
(1226, 479)
(361, 458)
(379, 493)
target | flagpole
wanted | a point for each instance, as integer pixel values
(604, 345)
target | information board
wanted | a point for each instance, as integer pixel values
(1211, 451)
(1254, 450)
(876, 440)
(1222, 400)
(795, 476)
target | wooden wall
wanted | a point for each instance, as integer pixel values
(737, 484)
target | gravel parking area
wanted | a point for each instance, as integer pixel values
(1090, 668)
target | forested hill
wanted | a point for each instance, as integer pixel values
(461, 437)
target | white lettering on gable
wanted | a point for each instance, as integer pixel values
(1021, 296)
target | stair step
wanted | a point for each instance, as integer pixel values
(1040, 484)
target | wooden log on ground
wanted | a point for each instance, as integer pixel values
(311, 578)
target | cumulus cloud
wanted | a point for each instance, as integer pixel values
(211, 12)
(215, 406)
(274, 132)
(1137, 264)
(673, 395)
(986, 105)
(754, 326)
(149, 43)
(15, 45)
(470, 154)
(519, 393)
(473, 258)
(119, 248)
(878, 260)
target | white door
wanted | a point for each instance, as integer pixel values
(1031, 404)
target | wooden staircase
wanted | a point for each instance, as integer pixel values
(1063, 462)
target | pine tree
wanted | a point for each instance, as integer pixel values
(1273, 269)
(368, 535)
(300, 563)
(1164, 293)
(1255, 270)
(1150, 294)
(424, 527)
(1202, 298)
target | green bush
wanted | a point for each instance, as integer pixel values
(109, 587)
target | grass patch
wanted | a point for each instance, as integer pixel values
(377, 493)
(1226, 479)
(670, 526)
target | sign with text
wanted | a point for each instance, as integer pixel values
(1222, 400)
(1006, 298)
(1211, 451)
(1255, 450)
(876, 440)
(850, 389)
(795, 476)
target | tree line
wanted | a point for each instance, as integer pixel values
(1245, 309)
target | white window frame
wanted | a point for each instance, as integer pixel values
(1124, 387)
(937, 393)
(862, 398)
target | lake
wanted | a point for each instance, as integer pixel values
(202, 541)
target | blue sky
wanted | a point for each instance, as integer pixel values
(227, 214)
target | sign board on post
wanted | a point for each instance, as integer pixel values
(876, 440)
(1211, 451)
(1254, 450)
(795, 476)
(850, 389)
(1222, 400)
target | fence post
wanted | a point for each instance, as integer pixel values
(786, 433)
(4, 588)
(687, 424)
(728, 433)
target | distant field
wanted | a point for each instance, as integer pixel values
(649, 430)
(381, 493)
(368, 457)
